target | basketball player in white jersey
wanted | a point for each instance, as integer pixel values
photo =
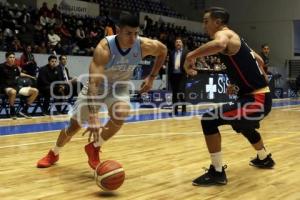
(111, 67)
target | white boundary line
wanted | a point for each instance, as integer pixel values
(154, 135)
(136, 122)
(149, 120)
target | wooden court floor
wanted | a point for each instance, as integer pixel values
(160, 159)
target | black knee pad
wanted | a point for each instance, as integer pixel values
(252, 135)
(209, 125)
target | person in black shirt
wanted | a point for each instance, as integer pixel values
(47, 77)
(248, 80)
(10, 73)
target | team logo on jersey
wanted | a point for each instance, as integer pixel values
(123, 60)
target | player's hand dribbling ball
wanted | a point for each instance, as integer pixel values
(109, 175)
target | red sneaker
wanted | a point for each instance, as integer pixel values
(93, 154)
(48, 160)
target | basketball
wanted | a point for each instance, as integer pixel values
(109, 175)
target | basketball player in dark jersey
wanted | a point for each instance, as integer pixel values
(248, 81)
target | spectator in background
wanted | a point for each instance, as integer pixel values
(70, 81)
(147, 24)
(80, 37)
(265, 51)
(44, 20)
(65, 33)
(54, 40)
(177, 76)
(41, 48)
(95, 34)
(38, 27)
(27, 61)
(9, 73)
(52, 21)
(56, 12)
(48, 75)
(109, 28)
(16, 45)
(44, 9)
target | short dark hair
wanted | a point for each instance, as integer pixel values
(264, 45)
(218, 13)
(52, 57)
(9, 53)
(62, 55)
(129, 20)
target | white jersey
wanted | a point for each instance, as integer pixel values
(119, 68)
(122, 62)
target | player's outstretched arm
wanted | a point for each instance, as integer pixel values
(157, 49)
(96, 76)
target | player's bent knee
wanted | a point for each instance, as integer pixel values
(252, 135)
(35, 91)
(12, 92)
(119, 111)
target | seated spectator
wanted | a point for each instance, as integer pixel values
(47, 77)
(65, 32)
(27, 62)
(16, 45)
(52, 21)
(9, 73)
(54, 40)
(38, 27)
(42, 48)
(80, 37)
(44, 20)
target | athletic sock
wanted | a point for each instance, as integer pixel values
(100, 141)
(262, 154)
(56, 150)
(216, 160)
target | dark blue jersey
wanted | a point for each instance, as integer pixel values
(243, 70)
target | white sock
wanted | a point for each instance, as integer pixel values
(56, 150)
(100, 141)
(216, 160)
(262, 154)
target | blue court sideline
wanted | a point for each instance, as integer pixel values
(52, 126)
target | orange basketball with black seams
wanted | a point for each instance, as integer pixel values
(109, 175)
